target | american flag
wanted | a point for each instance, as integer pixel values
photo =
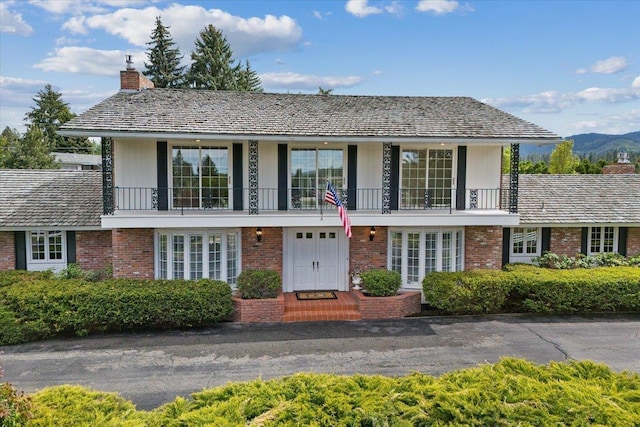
(332, 197)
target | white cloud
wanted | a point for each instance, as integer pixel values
(612, 65)
(616, 124)
(377, 72)
(12, 22)
(76, 7)
(360, 8)
(245, 35)
(395, 8)
(295, 81)
(14, 90)
(441, 7)
(636, 82)
(73, 59)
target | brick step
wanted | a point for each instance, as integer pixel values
(315, 316)
(320, 306)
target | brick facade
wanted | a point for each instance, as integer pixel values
(264, 254)
(619, 168)
(258, 310)
(483, 248)
(7, 251)
(365, 254)
(633, 241)
(394, 307)
(134, 80)
(566, 241)
(93, 249)
(133, 253)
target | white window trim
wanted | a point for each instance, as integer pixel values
(616, 234)
(525, 254)
(205, 253)
(421, 266)
(454, 167)
(47, 263)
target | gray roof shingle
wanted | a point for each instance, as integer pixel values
(188, 111)
(50, 198)
(579, 199)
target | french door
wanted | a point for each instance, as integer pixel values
(311, 168)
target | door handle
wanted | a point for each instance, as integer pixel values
(313, 265)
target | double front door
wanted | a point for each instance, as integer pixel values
(316, 259)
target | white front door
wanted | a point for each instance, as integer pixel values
(316, 260)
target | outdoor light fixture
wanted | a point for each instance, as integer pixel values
(259, 234)
(372, 233)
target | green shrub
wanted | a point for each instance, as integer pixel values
(45, 308)
(15, 408)
(478, 291)
(259, 284)
(11, 277)
(381, 282)
(564, 262)
(73, 271)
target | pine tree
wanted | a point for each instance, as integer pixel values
(212, 66)
(164, 67)
(48, 115)
(248, 79)
(32, 152)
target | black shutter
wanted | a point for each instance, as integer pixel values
(461, 178)
(352, 177)
(506, 245)
(20, 243)
(283, 171)
(546, 240)
(584, 240)
(163, 176)
(71, 247)
(622, 240)
(237, 177)
(395, 176)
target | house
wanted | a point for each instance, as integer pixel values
(50, 219)
(201, 183)
(576, 214)
(78, 161)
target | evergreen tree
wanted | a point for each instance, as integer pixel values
(248, 79)
(48, 115)
(9, 138)
(322, 91)
(164, 68)
(32, 152)
(562, 159)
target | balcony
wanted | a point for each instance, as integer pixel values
(297, 200)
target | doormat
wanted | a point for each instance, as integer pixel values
(311, 295)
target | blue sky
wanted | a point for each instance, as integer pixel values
(568, 66)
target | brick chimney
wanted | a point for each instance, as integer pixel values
(132, 79)
(623, 166)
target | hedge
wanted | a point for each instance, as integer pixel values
(381, 282)
(525, 288)
(35, 308)
(512, 392)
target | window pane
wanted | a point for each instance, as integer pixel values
(37, 245)
(596, 239)
(459, 266)
(430, 252)
(413, 257)
(186, 180)
(232, 258)
(518, 240)
(414, 172)
(303, 178)
(178, 256)
(532, 240)
(162, 252)
(396, 252)
(440, 177)
(607, 241)
(55, 245)
(215, 256)
(195, 257)
(446, 252)
(215, 177)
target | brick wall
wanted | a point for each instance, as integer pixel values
(566, 241)
(633, 241)
(133, 253)
(483, 248)
(618, 169)
(7, 251)
(258, 310)
(93, 249)
(365, 254)
(264, 254)
(395, 307)
(134, 80)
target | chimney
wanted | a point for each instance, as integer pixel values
(624, 165)
(132, 79)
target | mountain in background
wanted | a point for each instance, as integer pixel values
(585, 144)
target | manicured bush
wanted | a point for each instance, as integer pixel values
(564, 262)
(512, 392)
(15, 407)
(527, 288)
(45, 308)
(381, 283)
(11, 277)
(259, 284)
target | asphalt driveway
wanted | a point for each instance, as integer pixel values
(154, 368)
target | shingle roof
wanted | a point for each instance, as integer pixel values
(189, 111)
(579, 199)
(50, 198)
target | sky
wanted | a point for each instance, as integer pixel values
(569, 66)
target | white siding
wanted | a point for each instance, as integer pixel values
(135, 164)
(483, 177)
(268, 175)
(369, 174)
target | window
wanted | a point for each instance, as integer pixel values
(602, 240)
(311, 168)
(415, 253)
(194, 255)
(426, 178)
(46, 246)
(524, 241)
(200, 177)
